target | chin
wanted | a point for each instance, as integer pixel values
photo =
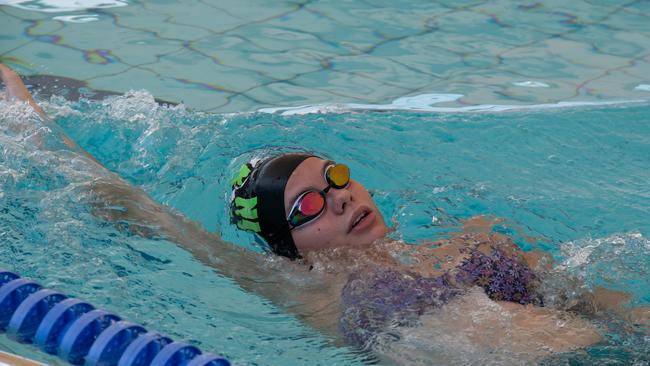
(375, 234)
(381, 233)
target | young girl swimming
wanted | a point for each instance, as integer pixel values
(345, 278)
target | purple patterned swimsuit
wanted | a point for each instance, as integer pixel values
(372, 300)
(503, 278)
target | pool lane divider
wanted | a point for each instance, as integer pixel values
(82, 335)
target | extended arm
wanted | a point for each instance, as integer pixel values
(133, 210)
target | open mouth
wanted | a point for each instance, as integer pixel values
(360, 219)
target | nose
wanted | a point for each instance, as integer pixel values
(337, 199)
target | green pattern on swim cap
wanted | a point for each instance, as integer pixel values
(246, 207)
(249, 225)
(244, 172)
(246, 212)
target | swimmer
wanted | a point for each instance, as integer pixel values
(335, 269)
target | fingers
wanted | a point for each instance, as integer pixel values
(10, 77)
(16, 89)
(6, 72)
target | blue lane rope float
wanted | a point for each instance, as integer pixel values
(82, 335)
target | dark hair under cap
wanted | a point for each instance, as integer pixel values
(258, 200)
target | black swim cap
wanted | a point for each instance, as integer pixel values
(258, 200)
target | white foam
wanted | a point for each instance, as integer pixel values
(532, 84)
(57, 6)
(643, 87)
(427, 102)
(589, 251)
(78, 18)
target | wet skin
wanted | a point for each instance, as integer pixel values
(337, 226)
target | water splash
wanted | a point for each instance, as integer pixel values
(618, 262)
(628, 252)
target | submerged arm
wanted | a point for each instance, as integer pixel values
(476, 330)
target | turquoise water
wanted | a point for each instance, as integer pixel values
(479, 133)
(573, 179)
(240, 55)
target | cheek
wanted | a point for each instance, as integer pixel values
(361, 193)
(316, 236)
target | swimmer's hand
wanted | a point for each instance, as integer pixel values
(16, 89)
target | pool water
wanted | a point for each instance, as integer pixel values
(572, 182)
(234, 55)
(507, 113)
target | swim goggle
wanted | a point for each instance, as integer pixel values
(311, 204)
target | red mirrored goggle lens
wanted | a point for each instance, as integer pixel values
(308, 207)
(338, 175)
(311, 204)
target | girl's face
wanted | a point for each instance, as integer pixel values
(350, 217)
